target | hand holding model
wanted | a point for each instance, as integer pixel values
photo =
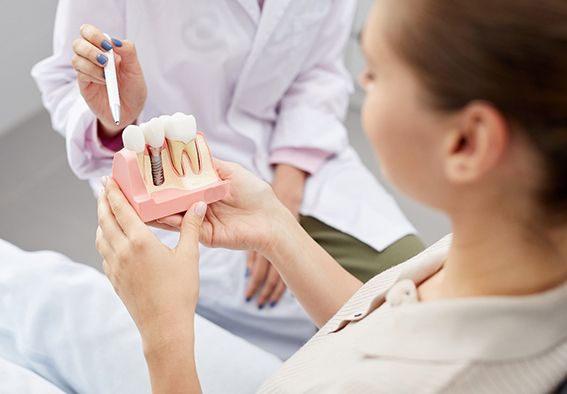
(248, 219)
(138, 263)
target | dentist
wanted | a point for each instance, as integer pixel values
(267, 84)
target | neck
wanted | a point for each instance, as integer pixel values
(495, 255)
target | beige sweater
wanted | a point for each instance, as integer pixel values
(385, 341)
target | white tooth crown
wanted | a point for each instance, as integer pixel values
(154, 132)
(133, 139)
(181, 127)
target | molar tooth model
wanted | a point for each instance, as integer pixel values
(165, 167)
(180, 129)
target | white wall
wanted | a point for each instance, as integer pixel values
(26, 28)
(354, 57)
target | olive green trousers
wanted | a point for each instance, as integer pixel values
(358, 258)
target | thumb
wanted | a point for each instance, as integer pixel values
(224, 168)
(191, 227)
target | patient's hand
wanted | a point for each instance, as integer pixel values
(248, 219)
(158, 285)
(265, 280)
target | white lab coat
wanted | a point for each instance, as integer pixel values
(256, 82)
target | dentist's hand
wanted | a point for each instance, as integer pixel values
(158, 285)
(89, 61)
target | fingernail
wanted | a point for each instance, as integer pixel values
(247, 273)
(248, 299)
(117, 42)
(106, 45)
(104, 180)
(273, 304)
(101, 59)
(261, 306)
(201, 209)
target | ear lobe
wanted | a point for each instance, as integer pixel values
(477, 145)
(458, 165)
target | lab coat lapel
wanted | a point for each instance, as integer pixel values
(271, 16)
(252, 8)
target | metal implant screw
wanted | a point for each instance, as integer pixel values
(157, 166)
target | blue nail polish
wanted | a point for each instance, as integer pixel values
(248, 299)
(117, 42)
(261, 306)
(101, 59)
(247, 273)
(106, 45)
(273, 304)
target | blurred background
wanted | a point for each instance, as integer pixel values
(42, 204)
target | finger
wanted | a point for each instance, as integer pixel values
(86, 50)
(107, 223)
(166, 227)
(259, 272)
(126, 217)
(225, 169)
(272, 281)
(207, 232)
(191, 228)
(278, 293)
(106, 268)
(250, 261)
(103, 247)
(110, 274)
(173, 221)
(82, 65)
(127, 51)
(94, 36)
(86, 79)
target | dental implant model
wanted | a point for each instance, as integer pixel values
(155, 136)
(166, 166)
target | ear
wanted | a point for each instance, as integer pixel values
(477, 143)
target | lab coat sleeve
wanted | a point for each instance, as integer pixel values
(311, 112)
(56, 79)
(306, 159)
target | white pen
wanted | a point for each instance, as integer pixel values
(112, 84)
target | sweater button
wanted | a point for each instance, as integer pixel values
(403, 292)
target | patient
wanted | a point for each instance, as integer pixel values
(467, 109)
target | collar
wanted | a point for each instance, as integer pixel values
(373, 294)
(482, 328)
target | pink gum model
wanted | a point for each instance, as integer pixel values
(126, 172)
